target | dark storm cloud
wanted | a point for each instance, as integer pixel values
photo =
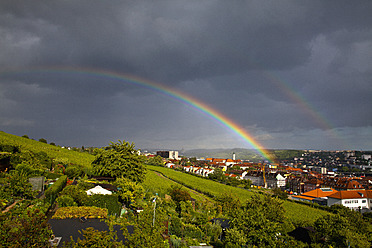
(176, 40)
(238, 56)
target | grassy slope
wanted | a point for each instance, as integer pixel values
(295, 212)
(156, 183)
(54, 152)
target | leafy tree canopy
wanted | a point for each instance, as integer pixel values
(119, 159)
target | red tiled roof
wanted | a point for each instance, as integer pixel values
(344, 194)
(320, 192)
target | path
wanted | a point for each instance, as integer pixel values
(11, 206)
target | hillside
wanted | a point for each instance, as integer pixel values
(297, 213)
(52, 151)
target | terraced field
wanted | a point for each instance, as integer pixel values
(294, 211)
(155, 182)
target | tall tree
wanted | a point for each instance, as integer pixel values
(119, 159)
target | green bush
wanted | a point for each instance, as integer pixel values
(51, 175)
(79, 195)
(73, 171)
(52, 192)
(66, 201)
(110, 202)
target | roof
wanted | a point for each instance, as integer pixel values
(98, 190)
(70, 228)
(320, 192)
(354, 194)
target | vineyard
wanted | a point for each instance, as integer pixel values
(55, 152)
(157, 183)
(296, 212)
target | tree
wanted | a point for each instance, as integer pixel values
(178, 195)
(146, 231)
(43, 140)
(119, 160)
(27, 229)
(157, 161)
(129, 191)
(260, 220)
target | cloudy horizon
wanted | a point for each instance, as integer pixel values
(292, 74)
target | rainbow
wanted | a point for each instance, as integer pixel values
(306, 107)
(173, 93)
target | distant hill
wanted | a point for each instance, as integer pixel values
(241, 153)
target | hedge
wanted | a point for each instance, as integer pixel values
(52, 192)
(110, 202)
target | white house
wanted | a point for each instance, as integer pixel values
(280, 181)
(353, 199)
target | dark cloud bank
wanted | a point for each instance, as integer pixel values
(294, 74)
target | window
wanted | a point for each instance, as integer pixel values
(364, 201)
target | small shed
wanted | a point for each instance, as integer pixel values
(98, 190)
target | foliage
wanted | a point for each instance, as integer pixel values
(156, 161)
(27, 229)
(144, 232)
(235, 238)
(73, 171)
(229, 203)
(77, 212)
(50, 175)
(16, 185)
(65, 201)
(52, 192)
(179, 195)
(119, 160)
(28, 170)
(337, 231)
(106, 201)
(260, 220)
(344, 226)
(79, 196)
(129, 191)
(95, 238)
(277, 192)
(15, 143)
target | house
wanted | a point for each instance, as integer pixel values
(319, 195)
(312, 184)
(280, 181)
(348, 184)
(353, 199)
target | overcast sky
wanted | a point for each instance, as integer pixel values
(293, 74)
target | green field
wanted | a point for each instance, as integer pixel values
(294, 211)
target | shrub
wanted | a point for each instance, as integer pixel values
(77, 212)
(110, 202)
(73, 171)
(79, 195)
(66, 201)
(52, 192)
